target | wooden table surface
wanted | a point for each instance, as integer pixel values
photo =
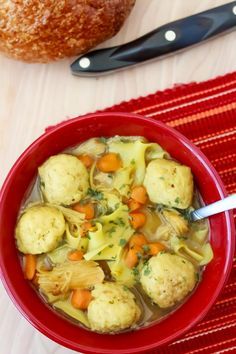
(33, 96)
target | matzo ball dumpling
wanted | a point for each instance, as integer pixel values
(64, 179)
(169, 183)
(113, 308)
(40, 229)
(167, 279)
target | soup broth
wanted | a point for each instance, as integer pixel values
(105, 238)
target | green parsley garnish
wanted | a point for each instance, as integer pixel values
(146, 248)
(124, 140)
(162, 178)
(185, 213)
(112, 230)
(135, 271)
(147, 270)
(120, 222)
(139, 255)
(95, 194)
(177, 200)
(102, 139)
(160, 207)
(42, 184)
(132, 162)
(117, 205)
(183, 237)
(122, 242)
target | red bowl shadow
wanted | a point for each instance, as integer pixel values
(15, 188)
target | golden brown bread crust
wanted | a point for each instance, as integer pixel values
(40, 31)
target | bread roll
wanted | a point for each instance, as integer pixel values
(40, 31)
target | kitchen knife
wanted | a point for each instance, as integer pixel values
(164, 40)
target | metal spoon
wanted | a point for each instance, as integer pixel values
(214, 208)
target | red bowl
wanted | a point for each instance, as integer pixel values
(15, 188)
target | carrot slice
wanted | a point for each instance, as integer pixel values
(85, 227)
(139, 194)
(81, 298)
(155, 248)
(86, 160)
(133, 204)
(87, 209)
(132, 256)
(110, 162)
(30, 266)
(138, 219)
(75, 255)
(137, 240)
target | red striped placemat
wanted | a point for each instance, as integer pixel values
(206, 114)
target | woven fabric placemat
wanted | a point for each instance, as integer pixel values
(206, 114)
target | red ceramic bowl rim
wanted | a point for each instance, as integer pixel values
(228, 260)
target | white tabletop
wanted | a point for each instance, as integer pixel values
(33, 96)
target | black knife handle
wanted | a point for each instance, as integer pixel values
(166, 39)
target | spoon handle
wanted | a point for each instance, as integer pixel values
(214, 208)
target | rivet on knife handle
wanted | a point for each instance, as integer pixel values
(166, 39)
